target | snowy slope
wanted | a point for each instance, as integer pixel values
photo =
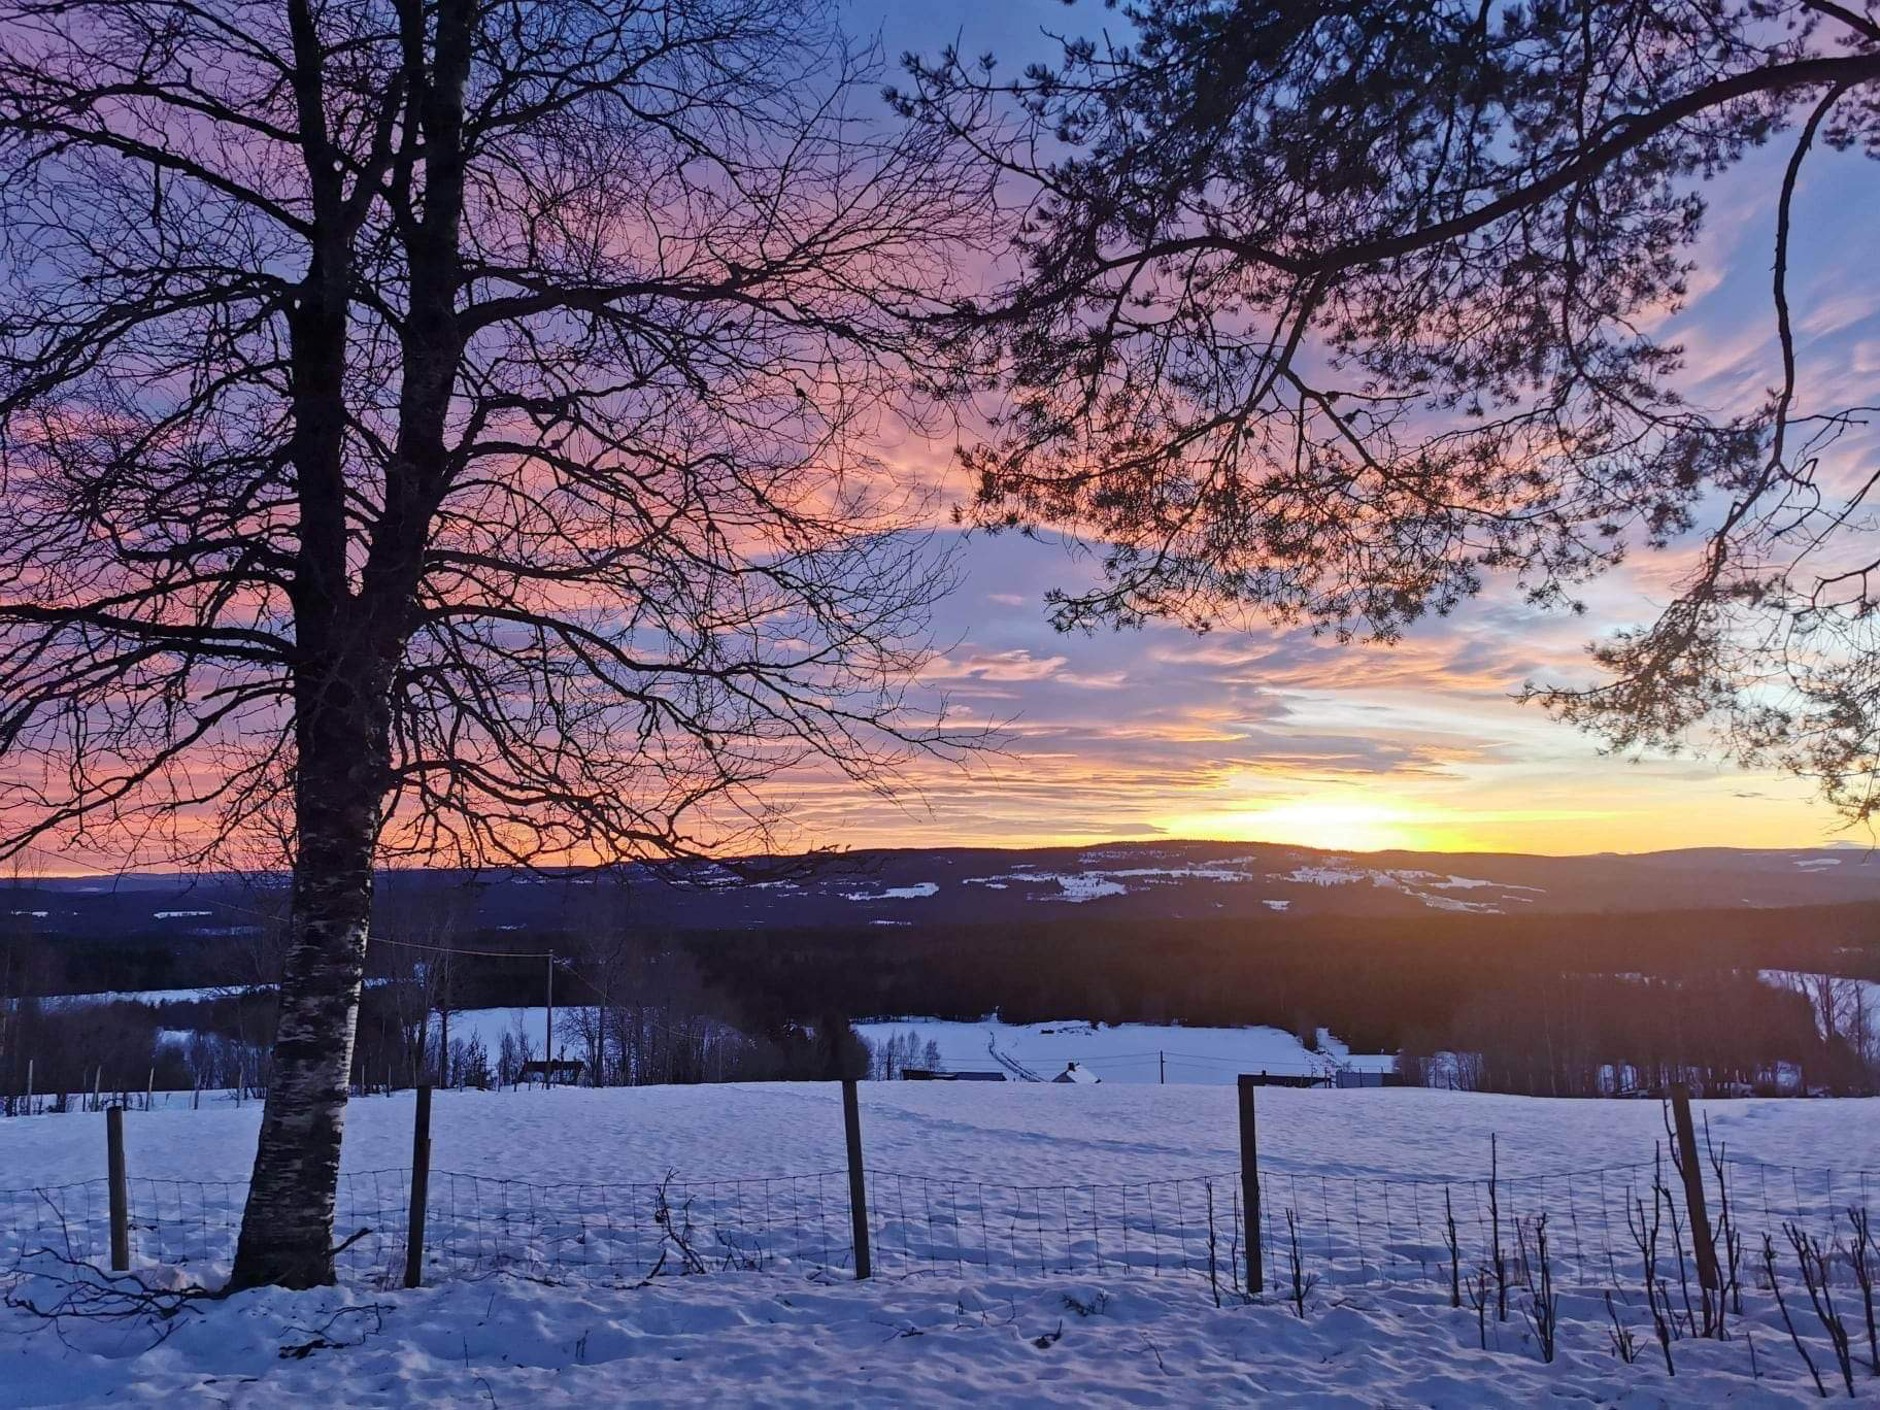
(767, 1341)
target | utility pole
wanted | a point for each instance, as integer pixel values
(548, 1028)
(443, 1027)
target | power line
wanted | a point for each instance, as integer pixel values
(562, 960)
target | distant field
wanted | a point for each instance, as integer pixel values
(1124, 1052)
(1127, 1052)
(1025, 1132)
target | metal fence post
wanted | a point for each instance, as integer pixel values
(1690, 1165)
(1250, 1185)
(120, 1190)
(858, 1186)
(420, 1188)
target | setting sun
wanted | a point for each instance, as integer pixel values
(1335, 824)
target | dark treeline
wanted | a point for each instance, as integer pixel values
(1567, 1005)
(631, 1010)
(1551, 1004)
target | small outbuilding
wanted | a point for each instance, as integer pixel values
(934, 1074)
(561, 1072)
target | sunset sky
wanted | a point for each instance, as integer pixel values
(1274, 736)
(1271, 736)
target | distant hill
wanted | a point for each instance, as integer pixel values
(959, 886)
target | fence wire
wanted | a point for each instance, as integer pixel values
(1332, 1230)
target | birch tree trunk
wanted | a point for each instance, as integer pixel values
(287, 1228)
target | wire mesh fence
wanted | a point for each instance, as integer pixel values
(191, 1225)
(1329, 1230)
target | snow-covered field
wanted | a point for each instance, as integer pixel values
(962, 1309)
(1025, 1133)
(1124, 1052)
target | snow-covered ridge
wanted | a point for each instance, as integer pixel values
(1097, 882)
(1108, 880)
(1071, 886)
(1420, 885)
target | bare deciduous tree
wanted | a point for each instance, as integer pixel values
(438, 424)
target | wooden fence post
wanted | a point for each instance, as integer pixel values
(1250, 1185)
(420, 1188)
(120, 1190)
(1690, 1163)
(858, 1186)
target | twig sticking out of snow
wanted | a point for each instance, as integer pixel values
(1302, 1282)
(1624, 1344)
(323, 1338)
(60, 1291)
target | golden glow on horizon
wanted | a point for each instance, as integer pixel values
(1342, 821)
(1334, 823)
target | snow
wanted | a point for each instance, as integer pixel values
(1852, 1005)
(1072, 886)
(1417, 884)
(1099, 882)
(915, 892)
(153, 996)
(1126, 1052)
(168, 996)
(1030, 1134)
(1328, 876)
(1221, 873)
(1450, 903)
(950, 1334)
(1088, 888)
(528, 1021)
(1000, 1344)
(179, 915)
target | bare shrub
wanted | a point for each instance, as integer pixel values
(1645, 1230)
(1817, 1264)
(1782, 1305)
(1543, 1310)
(1301, 1283)
(1864, 1257)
